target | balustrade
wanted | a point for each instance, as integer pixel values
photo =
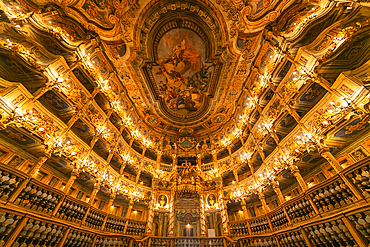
(207, 167)
(8, 221)
(362, 223)
(78, 239)
(38, 233)
(260, 226)
(9, 181)
(332, 195)
(183, 242)
(254, 242)
(360, 176)
(39, 197)
(165, 168)
(112, 242)
(300, 209)
(333, 233)
(95, 219)
(295, 238)
(213, 242)
(327, 196)
(239, 229)
(160, 242)
(135, 228)
(115, 225)
(72, 210)
(279, 219)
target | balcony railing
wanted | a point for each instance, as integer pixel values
(186, 242)
(26, 194)
(335, 212)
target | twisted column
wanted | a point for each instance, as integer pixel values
(171, 221)
(149, 224)
(203, 228)
(224, 217)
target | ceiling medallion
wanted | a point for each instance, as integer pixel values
(187, 143)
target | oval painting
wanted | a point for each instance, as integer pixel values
(211, 200)
(162, 200)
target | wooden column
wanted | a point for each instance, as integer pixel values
(131, 141)
(37, 165)
(300, 180)
(137, 177)
(159, 160)
(129, 209)
(199, 160)
(122, 168)
(245, 210)
(214, 159)
(94, 193)
(74, 175)
(174, 160)
(263, 201)
(313, 205)
(110, 203)
(277, 190)
(324, 152)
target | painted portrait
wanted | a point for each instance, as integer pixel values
(211, 200)
(162, 201)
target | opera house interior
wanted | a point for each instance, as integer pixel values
(184, 123)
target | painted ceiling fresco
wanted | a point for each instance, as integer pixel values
(182, 75)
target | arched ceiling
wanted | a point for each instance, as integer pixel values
(228, 83)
